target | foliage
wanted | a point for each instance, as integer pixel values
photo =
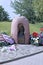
(38, 9)
(32, 9)
(24, 7)
(3, 14)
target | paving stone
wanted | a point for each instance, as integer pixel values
(21, 50)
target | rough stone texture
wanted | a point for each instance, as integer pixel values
(14, 28)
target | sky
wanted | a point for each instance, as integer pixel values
(7, 7)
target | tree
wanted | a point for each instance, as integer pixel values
(25, 8)
(38, 9)
(3, 14)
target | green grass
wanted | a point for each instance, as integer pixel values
(6, 27)
(35, 27)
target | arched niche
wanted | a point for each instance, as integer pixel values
(18, 24)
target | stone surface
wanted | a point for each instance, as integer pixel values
(21, 51)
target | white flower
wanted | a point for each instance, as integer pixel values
(4, 49)
(12, 48)
(35, 40)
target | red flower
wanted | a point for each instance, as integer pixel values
(41, 29)
(34, 34)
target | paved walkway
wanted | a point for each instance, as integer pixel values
(33, 60)
(21, 51)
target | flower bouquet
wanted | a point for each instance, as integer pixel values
(35, 38)
(41, 36)
(6, 40)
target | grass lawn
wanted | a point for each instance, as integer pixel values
(6, 27)
(35, 27)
